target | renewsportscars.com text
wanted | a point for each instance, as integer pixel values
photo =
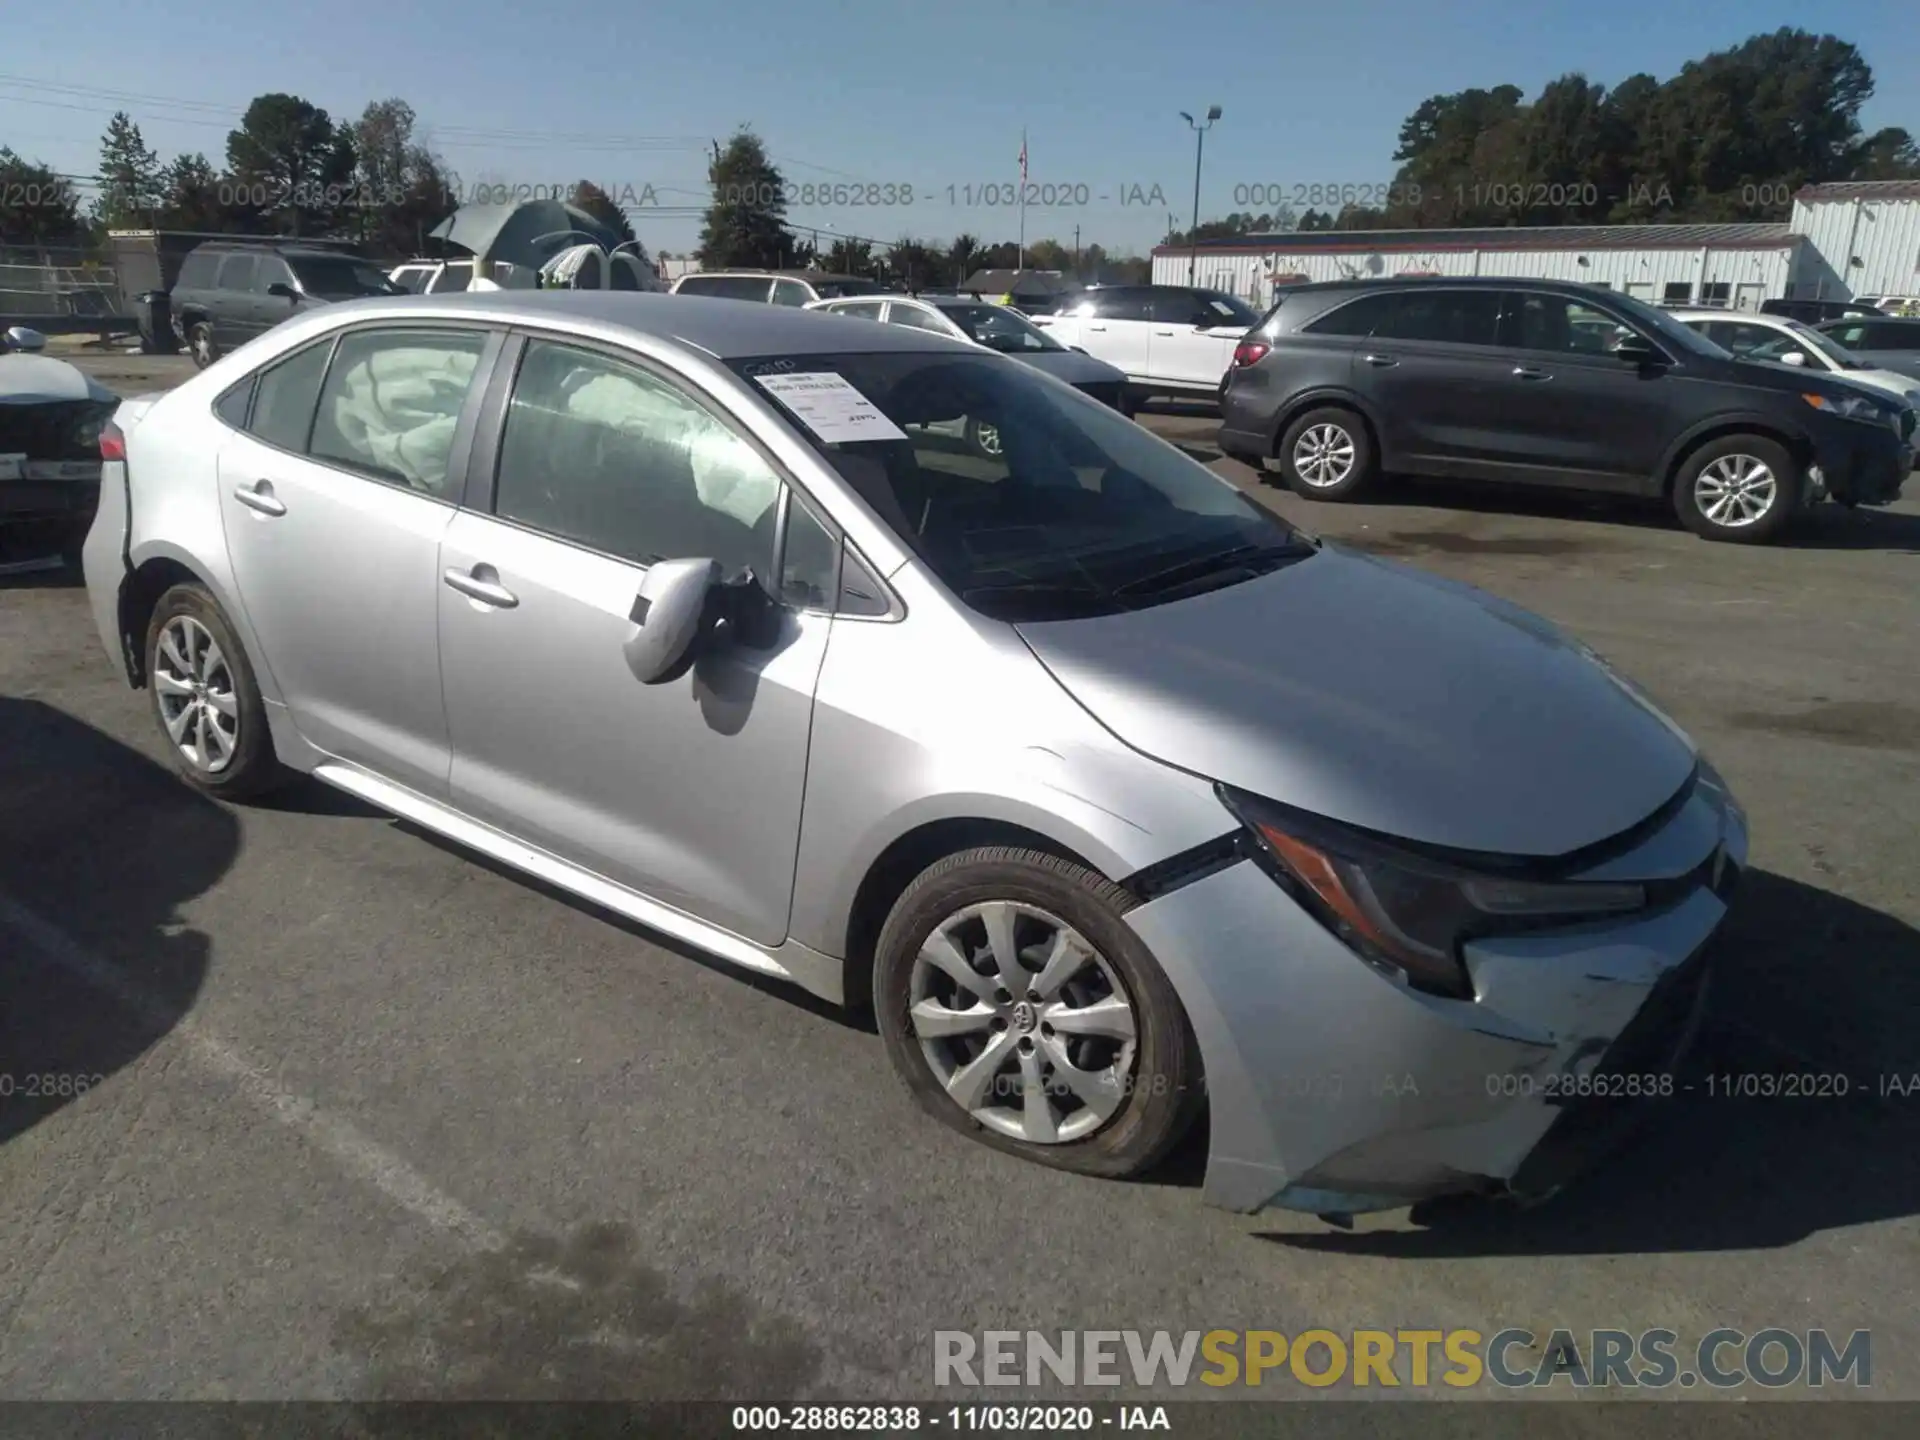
(1513, 1358)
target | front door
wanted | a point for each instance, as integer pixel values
(334, 502)
(688, 791)
(1748, 297)
(1115, 326)
(1580, 416)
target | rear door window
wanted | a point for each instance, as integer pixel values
(1893, 337)
(1447, 317)
(236, 273)
(197, 272)
(1356, 318)
(391, 402)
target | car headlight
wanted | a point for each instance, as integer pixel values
(1854, 407)
(1406, 912)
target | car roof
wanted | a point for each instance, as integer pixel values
(1698, 312)
(726, 329)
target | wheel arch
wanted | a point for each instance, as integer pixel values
(1688, 445)
(158, 569)
(1326, 398)
(898, 863)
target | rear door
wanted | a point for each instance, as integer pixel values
(334, 501)
(1440, 384)
(1192, 342)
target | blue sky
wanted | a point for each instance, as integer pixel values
(927, 96)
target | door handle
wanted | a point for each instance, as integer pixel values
(259, 497)
(1382, 362)
(1096, 327)
(1528, 373)
(482, 583)
(1163, 332)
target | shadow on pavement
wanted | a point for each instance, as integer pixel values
(100, 846)
(1808, 984)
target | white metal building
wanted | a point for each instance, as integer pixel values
(1866, 236)
(1737, 266)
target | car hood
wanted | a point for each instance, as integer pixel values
(1072, 367)
(1884, 380)
(1383, 697)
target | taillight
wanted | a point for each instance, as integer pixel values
(113, 444)
(1249, 352)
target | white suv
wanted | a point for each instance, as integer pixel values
(1169, 339)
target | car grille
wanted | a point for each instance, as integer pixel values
(1105, 392)
(62, 430)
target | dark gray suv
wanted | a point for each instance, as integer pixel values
(232, 290)
(1549, 383)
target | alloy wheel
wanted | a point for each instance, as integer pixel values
(195, 688)
(987, 438)
(1023, 1022)
(1323, 456)
(202, 342)
(1735, 490)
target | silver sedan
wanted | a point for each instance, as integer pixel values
(1110, 793)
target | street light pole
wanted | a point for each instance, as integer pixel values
(1199, 149)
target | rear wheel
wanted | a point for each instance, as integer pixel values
(1021, 1009)
(1327, 454)
(205, 698)
(201, 345)
(1744, 489)
(984, 438)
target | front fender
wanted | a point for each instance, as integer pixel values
(1728, 422)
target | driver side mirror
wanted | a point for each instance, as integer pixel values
(22, 340)
(283, 291)
(1794, 357)
(669, 615)
(1634, 350)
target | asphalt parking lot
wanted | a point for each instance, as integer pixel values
(372, 1118)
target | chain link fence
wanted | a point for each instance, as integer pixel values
(60, 291)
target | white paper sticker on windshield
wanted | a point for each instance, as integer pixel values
(830, 407)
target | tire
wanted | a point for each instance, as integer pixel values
(1336, 451)
(201, 344)
(1150, 1088)
(1710, 509)
(248, 766)
(983, 439)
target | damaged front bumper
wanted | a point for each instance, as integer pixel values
(1861, 464)
(1333, 1090)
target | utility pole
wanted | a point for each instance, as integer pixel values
(1076, 252)
(1199, 149)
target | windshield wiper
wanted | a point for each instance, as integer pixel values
(1251, 559)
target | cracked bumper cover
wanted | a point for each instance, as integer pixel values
(1333, 1089)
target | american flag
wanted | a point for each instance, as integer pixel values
(1023, 157)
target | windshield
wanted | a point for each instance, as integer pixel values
(1659, 325)
(998, 328)
(1026, 499)
(341, 278)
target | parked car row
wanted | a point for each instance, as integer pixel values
(1552, 383)
(1107, 788)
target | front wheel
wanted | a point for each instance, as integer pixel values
(1744, 489)
(984, 439)
(1021, 1009)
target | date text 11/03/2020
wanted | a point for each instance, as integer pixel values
(899, 194)
(1520, 195)
(1550, 1087)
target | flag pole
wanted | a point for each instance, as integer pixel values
(1023, 199)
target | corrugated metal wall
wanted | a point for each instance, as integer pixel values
(1884, 235)
(1749, 275)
